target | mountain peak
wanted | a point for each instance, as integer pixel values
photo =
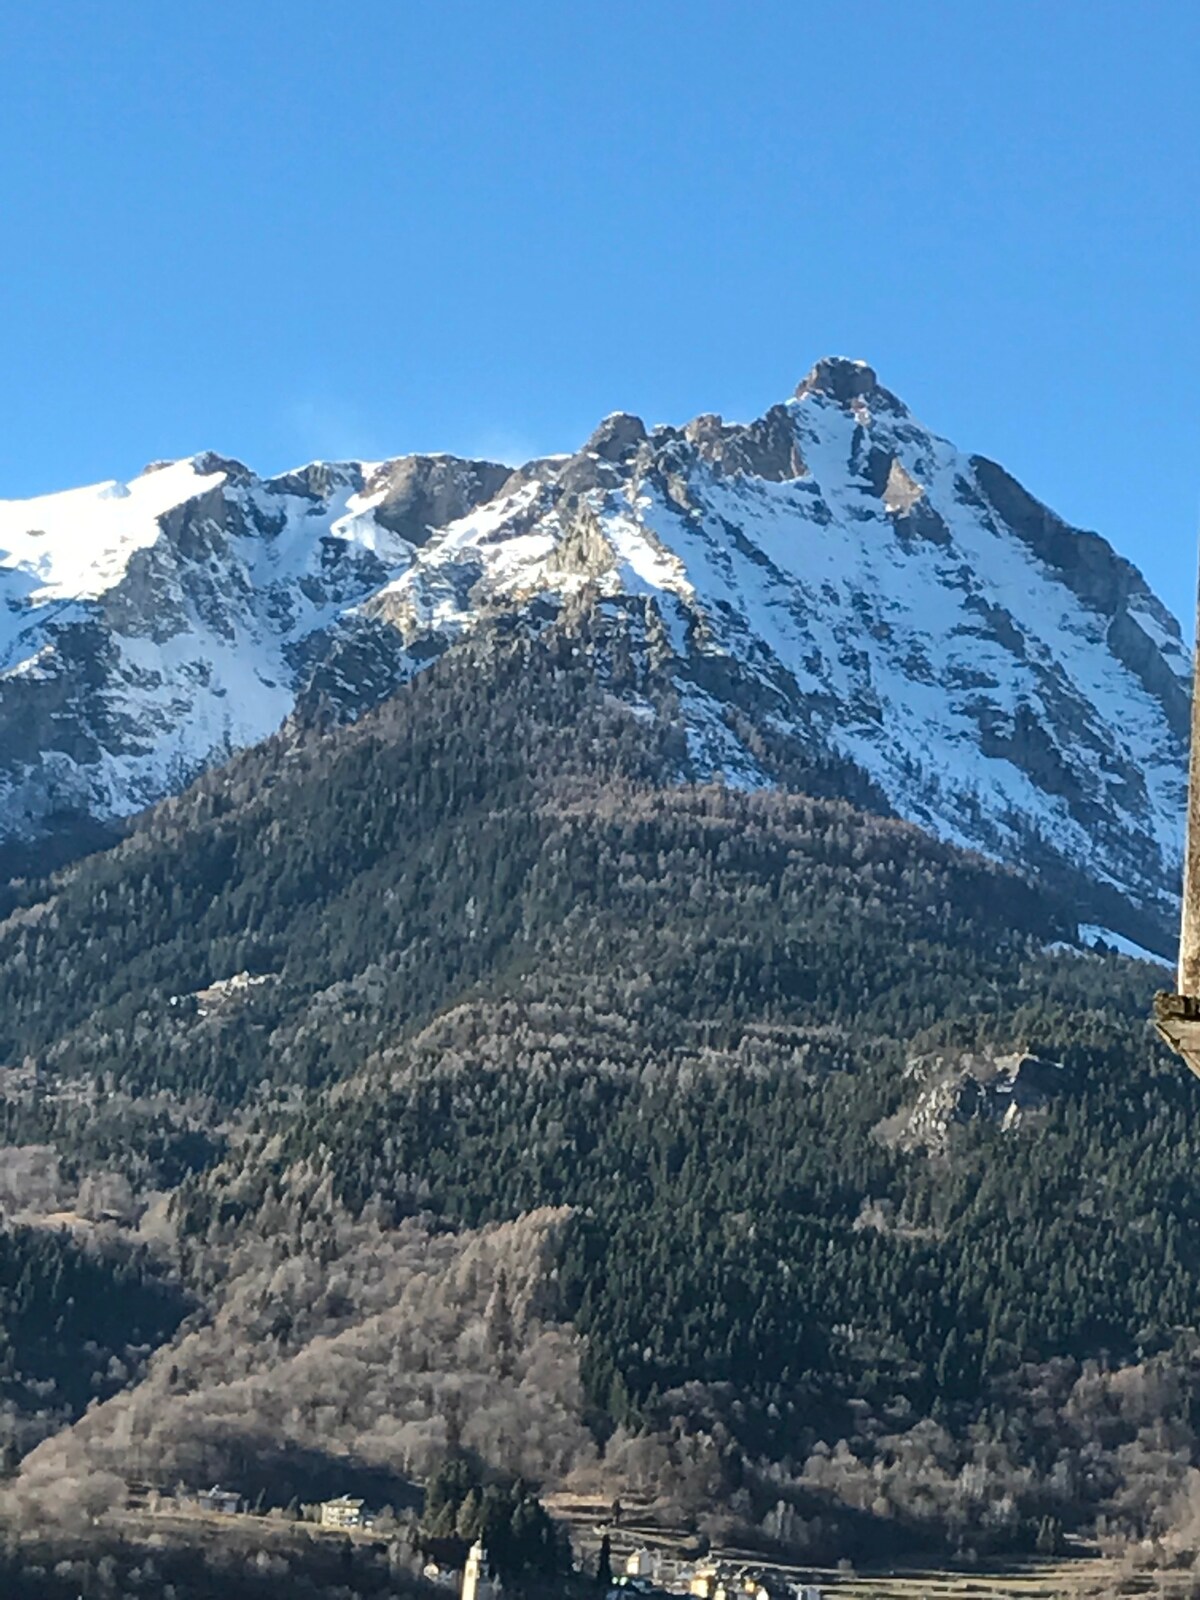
(840, 379)
(617, 436)
(208, 462)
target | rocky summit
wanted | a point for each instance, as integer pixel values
(831, 579)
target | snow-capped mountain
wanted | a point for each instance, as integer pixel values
(831, 575)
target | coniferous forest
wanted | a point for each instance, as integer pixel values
(468, 1086)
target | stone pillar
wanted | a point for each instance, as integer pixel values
(1177, 1016)
(1189, 932)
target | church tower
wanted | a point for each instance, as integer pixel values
(478, 1583)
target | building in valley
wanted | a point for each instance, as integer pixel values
(343, 1512)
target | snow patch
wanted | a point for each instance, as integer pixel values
(1091, 935)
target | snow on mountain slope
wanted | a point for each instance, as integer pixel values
(831, 577)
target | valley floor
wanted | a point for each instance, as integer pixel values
(272, 1550)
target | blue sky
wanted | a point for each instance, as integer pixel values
(290, 228)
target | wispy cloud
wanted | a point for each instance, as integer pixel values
(326, 429)
(507, 445)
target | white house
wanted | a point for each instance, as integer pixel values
(342, 1513)
(223, 1502)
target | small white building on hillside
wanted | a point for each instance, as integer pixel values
(218, 1501)
(342, 1513)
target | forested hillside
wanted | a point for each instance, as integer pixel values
(468, 1045)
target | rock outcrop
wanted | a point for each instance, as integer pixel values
(952, 1091)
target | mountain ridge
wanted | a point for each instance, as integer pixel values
(830, 577)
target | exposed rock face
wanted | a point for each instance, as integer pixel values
(835, 378)
(617, 437)
(767, 448)
(952, 1091)
(830, 577)
(416, 495)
